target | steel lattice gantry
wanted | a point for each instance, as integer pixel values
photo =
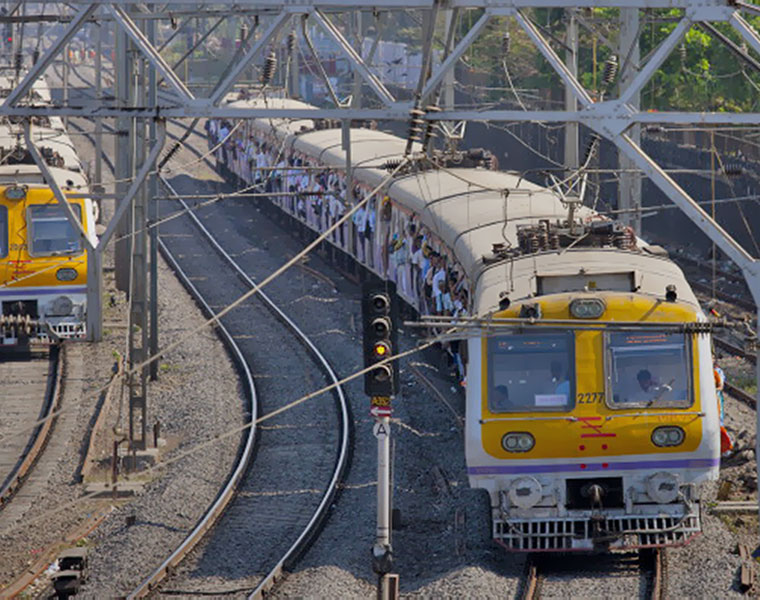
(612, 118)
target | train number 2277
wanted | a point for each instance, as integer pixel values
(590, 397)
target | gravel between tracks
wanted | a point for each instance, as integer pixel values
(196, 397)
(433, 555)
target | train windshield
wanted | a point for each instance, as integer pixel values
(531, 371)
(647, 369)
(3, 232)
(51, 232)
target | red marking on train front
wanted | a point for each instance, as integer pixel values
(595, 427)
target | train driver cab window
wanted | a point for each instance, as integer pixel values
(531, 371)
(647, 369)
(3, 232)
(50, 231)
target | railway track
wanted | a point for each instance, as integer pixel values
(733, 390)
(545, 571)
(300, 459)
(298, 543)
(31, 387)
(732, 289)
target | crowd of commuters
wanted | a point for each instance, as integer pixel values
(380, 234)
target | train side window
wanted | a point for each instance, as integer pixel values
(51, 233)
(530, 372)
(648, 369)
(3, 232)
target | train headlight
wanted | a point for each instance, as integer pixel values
(60, 307)
(587, 308)
(668, 436)
(519, 441)
(525, 492)
(66, 274)
(15, 192)
(662, 487)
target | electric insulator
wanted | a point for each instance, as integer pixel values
(593, 142)
(682, 52)
(430, 125)
(18, 60)
(733, 170)
(35, 56)
(506, 43)
(243, 32)
(169, 155)
(392, 164)
(610, 70)
(416, 124)
(291, 42)
(270, 64)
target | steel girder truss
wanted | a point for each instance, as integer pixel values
(611, 118)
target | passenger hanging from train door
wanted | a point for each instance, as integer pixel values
(726, 443)
(359, 219)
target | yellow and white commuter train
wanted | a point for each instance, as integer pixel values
(592, 419)
(43, 260)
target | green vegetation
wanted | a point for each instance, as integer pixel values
(701, 74)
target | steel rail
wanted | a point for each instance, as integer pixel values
(342, 459)
(531, 585)
(41, 434)
(653, 560)
(217, 508)
(733, 349)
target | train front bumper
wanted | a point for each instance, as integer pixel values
(606, 529)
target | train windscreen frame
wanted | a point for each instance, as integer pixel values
(530, 372)
(50, 233)
(651, 369)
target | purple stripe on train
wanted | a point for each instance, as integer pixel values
(35, 291)
(686, 463)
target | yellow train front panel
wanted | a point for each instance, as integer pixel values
(588, 423)
(606, 418)
(43, 260)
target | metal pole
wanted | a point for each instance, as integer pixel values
(448, 79)
(66, 64)
(122, 77)
(94, 293)
(99, 96)
(295, 67)
(381, 552)
(629, 188)
(138, 296)
(571, 100)
(356, 100)
(153, 216)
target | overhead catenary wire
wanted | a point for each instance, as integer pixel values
(254, 290)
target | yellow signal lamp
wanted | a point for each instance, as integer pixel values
(381, 350)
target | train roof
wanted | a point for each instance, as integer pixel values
(471, 209)
(31, 175)
(57, 140)
(280, 126)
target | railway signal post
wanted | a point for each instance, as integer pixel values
(380, 319)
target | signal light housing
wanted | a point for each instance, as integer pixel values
(380, 319)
